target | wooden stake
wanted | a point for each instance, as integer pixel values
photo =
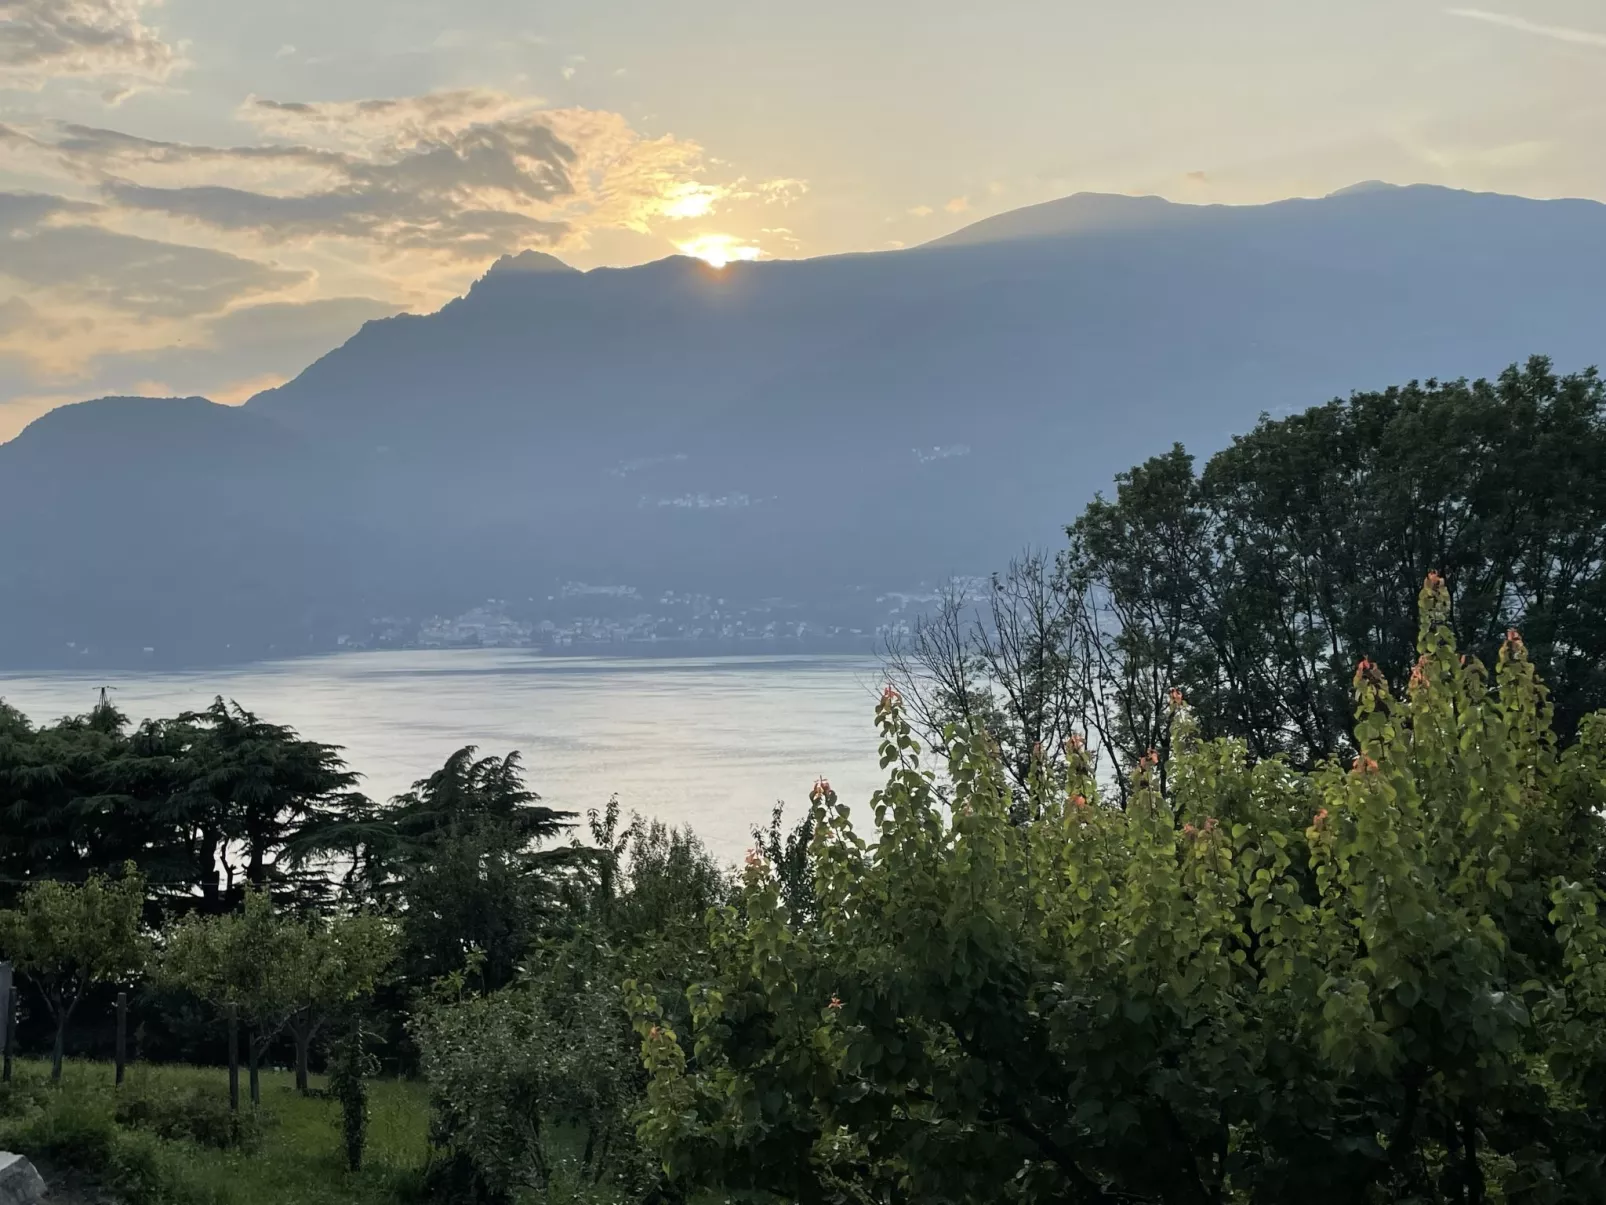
(234, 1058)
(8, 1025)
(5, 1015)
(122, 1035)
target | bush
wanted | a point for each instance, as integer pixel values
(1381, 981)
(77, 1130)
(22, 1096)
(535, 1087)
(198, 1115)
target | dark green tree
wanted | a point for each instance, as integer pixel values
(1256, 585)
(459, 859)
(248, 790)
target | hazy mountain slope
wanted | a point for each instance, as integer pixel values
(794, 427)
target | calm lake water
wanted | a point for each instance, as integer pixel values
(712, 743)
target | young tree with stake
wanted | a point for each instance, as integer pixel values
(65, 938)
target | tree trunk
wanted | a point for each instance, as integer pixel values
(60, 1048)
(254, 1056)
(303, 1037)
(206, 859)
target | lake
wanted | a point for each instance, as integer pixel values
(711, 742)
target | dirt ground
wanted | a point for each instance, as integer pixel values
(66, 1187)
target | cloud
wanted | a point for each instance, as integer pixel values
(468, 175)
(1197, 177)
(783, 191)
(958, 205)
(227, 357)
(42, 40)
(215, 266)
(123, 271)
(1560, 33)
(71, 289)
(921, 211)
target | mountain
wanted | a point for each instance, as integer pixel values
(795, 429)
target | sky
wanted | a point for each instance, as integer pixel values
(203, 196)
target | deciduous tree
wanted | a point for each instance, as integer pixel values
(66, 938)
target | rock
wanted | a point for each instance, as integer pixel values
(20, 1184)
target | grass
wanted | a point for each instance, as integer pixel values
(299, 1159)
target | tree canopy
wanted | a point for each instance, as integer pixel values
(1256, 584)
(1375, 980)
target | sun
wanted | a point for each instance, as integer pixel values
(719, 249)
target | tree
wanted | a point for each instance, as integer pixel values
(67, 808)
(1257, 584)
(350, 1068)
(1373, 980)
(248, 792)
(202, 803)
(1003, 663)
(333, 962)
(516, 1074)
(67, 938)
(788, 854)
(459, 858)
(246, 959)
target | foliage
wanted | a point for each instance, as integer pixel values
(194, 1114)
(203, 803)
(787, 854)
(239, 961)
(66, 938)
(1374, 982)
(647, 880)
(1257, 584)
(351, 1066)
(535, 1087)
(78, 1131)
(254, 787)
(300, 1159)
(333, 962)
(457, 857)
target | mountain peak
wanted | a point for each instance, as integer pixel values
(1079, 213)
(1365, 186)
(528, 261)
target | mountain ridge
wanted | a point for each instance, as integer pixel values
(784, 428)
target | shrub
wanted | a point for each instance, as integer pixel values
(199, 1115)
(535, 1087)
(1377, 981)
(77, 1130)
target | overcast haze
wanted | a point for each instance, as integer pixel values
(202, 196)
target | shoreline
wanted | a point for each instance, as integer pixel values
(618, 651)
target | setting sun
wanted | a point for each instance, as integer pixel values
(719, 249)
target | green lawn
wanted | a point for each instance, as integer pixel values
(299, 1160)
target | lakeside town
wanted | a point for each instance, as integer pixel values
(578, 617)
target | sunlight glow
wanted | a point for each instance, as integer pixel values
(719, 249)
(689, 199)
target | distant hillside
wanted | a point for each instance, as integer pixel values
(782, 429)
